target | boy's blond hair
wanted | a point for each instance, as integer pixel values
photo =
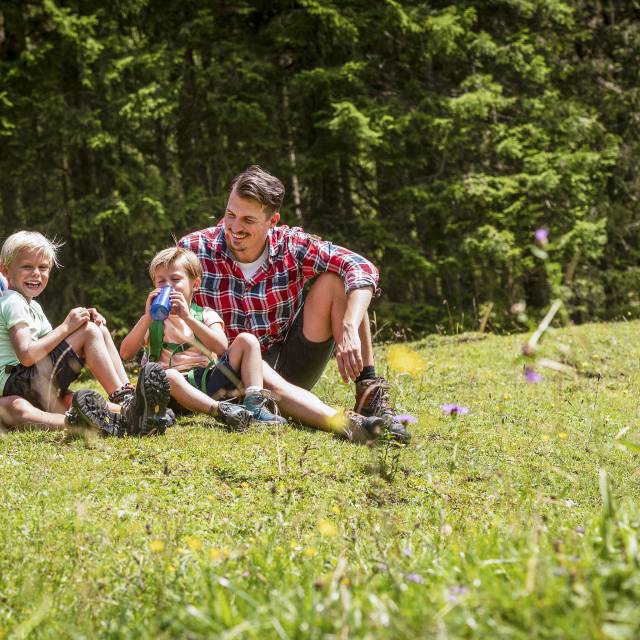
(167, 257)
(33, 240)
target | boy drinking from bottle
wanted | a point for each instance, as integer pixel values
(192, 347)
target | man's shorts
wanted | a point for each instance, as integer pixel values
(42, 383)
(298, 360)
(220, 381)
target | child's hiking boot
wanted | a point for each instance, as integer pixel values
(89, 409)
(365, 429)
(234, 416)
(255, 404)
(372, 398)
(145, 412)
(123, 394)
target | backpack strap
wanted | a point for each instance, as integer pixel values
(196, 311)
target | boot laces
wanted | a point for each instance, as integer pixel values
(376, 397)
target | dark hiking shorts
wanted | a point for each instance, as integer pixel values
(220, 382)
(42, 383)
(298, 360)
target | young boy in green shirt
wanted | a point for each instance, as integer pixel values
(39, 362)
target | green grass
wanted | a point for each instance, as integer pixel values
(517, 520)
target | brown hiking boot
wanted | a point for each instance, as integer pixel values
(363, 430)
(372, 398)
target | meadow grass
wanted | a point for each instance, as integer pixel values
(517, 520)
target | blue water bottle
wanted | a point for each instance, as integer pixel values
(161, 304)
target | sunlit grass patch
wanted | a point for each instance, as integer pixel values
(494, 523)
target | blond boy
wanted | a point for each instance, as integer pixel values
(194, 351)
(38, 362)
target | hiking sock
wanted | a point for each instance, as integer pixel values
(368, 373)
(251, 390)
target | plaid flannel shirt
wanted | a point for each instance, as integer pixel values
(266, 304)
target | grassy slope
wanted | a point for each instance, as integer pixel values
(492, 525)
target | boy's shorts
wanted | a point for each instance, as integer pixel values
(42, 383)
(298, 360)
(220, 381)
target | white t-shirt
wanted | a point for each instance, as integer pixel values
(250, 268)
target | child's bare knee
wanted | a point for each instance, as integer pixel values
(92, 330)
(247, 340)
(86, 332)
(104, 331)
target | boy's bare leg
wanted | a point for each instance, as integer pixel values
(188, 396)
(245, 357)
(298, 403)
(88, 342)
(16, 411)
(114, 355)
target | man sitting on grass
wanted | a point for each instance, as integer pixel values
(254, 273)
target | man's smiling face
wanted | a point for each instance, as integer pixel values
(246, 226)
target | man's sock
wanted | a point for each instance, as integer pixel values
(368, 373)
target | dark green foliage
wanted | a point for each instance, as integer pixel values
(433, 138)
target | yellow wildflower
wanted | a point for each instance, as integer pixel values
(194, 543)
(402, 359)
(327, 529)
(156, 546)
(337, 422)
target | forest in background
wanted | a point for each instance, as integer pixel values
(432, 137)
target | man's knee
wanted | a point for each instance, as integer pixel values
(329, 283)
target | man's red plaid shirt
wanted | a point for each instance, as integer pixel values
(266, 304)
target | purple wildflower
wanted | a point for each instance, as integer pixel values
(456, 592)
(532, 376)
(454, 409)
(541, 236)
(405, 418)
(414, 577)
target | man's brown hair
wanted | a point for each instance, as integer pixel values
(258, 184)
